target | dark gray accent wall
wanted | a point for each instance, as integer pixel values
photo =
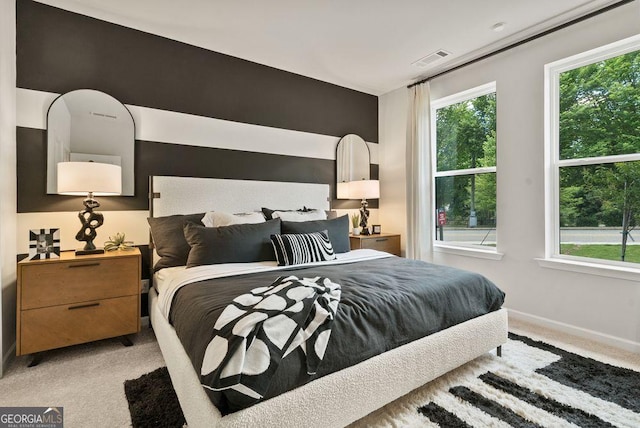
(59, 51)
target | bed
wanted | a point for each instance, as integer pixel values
(335, 398)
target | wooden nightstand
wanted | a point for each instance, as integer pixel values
(74, 300)
(389, 242)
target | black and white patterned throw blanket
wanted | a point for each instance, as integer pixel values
(258, 329)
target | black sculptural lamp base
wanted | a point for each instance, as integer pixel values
(364, 217)
(87, 252)
(90, 222)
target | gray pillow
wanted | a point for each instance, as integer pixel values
(169, 241)
(237, 243)
(338, 229)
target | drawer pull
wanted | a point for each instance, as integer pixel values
(382, 239)
(88, 305)
(77, 265)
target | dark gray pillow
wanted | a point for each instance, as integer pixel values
(168, 238)
(338, 229)
(238, 243)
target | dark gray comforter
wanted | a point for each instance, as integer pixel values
(385, 303)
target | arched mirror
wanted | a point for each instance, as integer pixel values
(352, 161)
(87, 125)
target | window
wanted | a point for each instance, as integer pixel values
(593, 155)
(464, 167)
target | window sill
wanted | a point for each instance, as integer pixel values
(620, 272)
(468, 251)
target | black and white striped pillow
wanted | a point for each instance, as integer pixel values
(298, 248)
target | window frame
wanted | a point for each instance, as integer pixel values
(552, 163)
(453, 247)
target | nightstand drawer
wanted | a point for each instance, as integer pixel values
(58, 326)
(389, 243)
(60, 283)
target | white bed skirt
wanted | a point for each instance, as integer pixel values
(340, 398)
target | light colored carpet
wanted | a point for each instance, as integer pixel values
(87, 380)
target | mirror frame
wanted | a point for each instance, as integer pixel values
(126, 154)
(364, 152)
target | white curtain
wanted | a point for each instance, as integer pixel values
(419, 174)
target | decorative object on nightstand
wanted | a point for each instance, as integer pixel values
(118, 242)
(91, 179)
(388, 242)
(355, 223)
(73, 300)
(364, 189)
(44, 244)
(377, 229)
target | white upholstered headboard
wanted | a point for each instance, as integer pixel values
(186, 195)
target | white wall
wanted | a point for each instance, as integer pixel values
(392, 117)
(602, 308)
(7, 177)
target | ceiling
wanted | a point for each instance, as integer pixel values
(366, 45)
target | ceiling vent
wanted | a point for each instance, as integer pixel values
(431, 58)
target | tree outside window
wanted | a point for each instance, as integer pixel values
(598, 157)
(464, 147)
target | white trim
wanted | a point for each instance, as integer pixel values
(469, 94)
(468, 171)
(600, 53)
(597, 160)
(607, 339)
(469, 251)
(478, 91)
(9, 356)
(551, 153)
(629, 273)
(553, 163)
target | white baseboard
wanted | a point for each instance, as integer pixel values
(7, 358)
(627, 345)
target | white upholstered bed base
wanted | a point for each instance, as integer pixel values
(349, 394)
(333, 400)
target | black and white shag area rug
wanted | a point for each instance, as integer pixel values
(533, 384)
(153, 402)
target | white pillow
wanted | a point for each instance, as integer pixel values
(219, 218)
(300, 215)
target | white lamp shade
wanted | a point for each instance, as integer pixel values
(80, 178)
(342, 191)
(364, 189)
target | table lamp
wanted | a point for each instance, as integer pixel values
(364, 189)
(91, 179)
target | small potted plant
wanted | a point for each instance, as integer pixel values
(355, 222)
(118, 243)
